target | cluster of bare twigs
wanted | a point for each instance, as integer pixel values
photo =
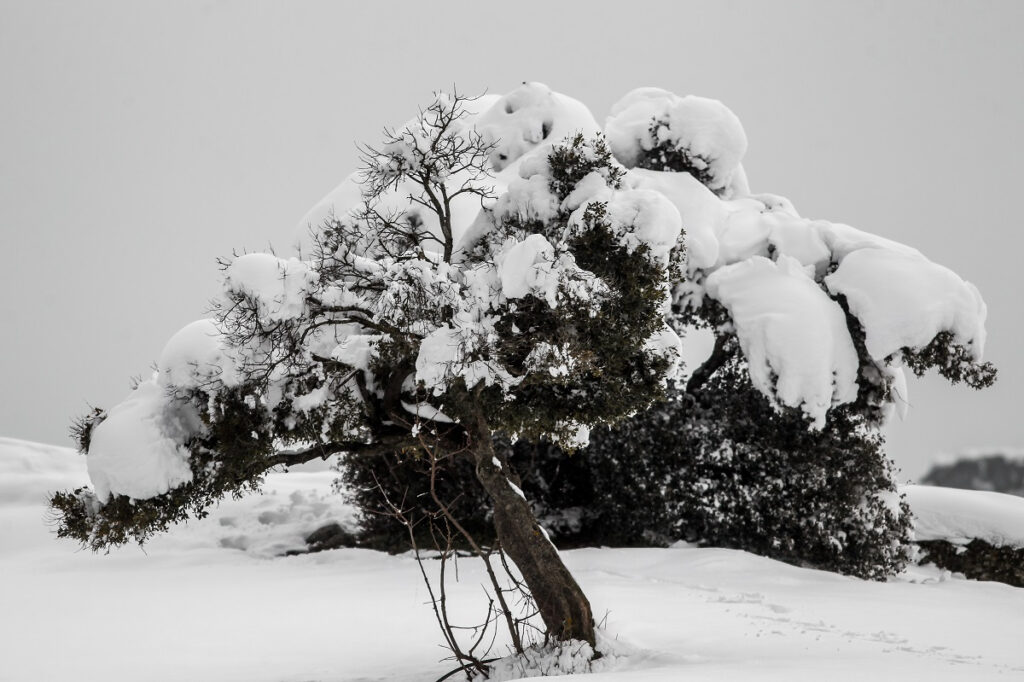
(439, 159)
(509, 603)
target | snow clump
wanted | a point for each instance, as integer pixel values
(704, 130)
(195, 356)
(137, 450)
(882, 286)
(279, 286)
(793, 335)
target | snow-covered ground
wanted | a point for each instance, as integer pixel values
(212, 601)
(960, 516)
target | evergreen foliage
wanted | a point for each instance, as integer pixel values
(722, 469)
(725, 469)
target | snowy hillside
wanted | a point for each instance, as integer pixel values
(194, 606)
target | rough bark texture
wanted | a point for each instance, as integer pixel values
(562, 604)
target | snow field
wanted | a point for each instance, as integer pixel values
(194, 606)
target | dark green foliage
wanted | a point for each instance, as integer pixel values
(81, 428)
(668, 156)
(952, 361)
(732, 472)
(228, 461)
(977, 560)
(721, 469)
(402, 479)
(613, 374)
(576, 158)
(874, 389)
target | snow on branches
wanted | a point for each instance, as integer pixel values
(497, 265)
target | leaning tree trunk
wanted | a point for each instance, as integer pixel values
(560, 601)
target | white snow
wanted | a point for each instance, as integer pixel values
(665, 343)
(357, 350)
(793, 336)
(280, 286)
(522, 124)
(195, 356)
(439, 351)
(643, 217)
(527, 199)
(443, 355)
(426, 411)
(516, 489)
(904, 300)
(700, 211)
(843, 240)
(704, 128)
(214, 601)
(962, 515)
(528, 117)
(135, 451)
(556, 360)
(799, 239)
(527, 267)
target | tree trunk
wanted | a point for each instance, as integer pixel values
(562, 604)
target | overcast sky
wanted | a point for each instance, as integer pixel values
(141, 140)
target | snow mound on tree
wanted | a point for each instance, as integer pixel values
(527, 200)
(529, 116)
(528, 267)
(442, 356)
(195, 356)
(705, 129)
(637, 218)
(904, 300)
(138, 448)
(793, 336)
(136, 451)
(280, 286)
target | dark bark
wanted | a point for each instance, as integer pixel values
(721, 354)
(562, 605)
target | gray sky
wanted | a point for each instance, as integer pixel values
(141, 140)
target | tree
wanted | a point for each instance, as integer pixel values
(498, 268)
(722, 468)
(718, 466)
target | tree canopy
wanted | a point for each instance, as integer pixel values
(502, 265)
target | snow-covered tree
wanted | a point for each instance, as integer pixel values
(503, 266)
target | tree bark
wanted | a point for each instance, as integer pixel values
(563, 607)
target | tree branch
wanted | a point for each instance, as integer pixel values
(722, 353)
(385, 445)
